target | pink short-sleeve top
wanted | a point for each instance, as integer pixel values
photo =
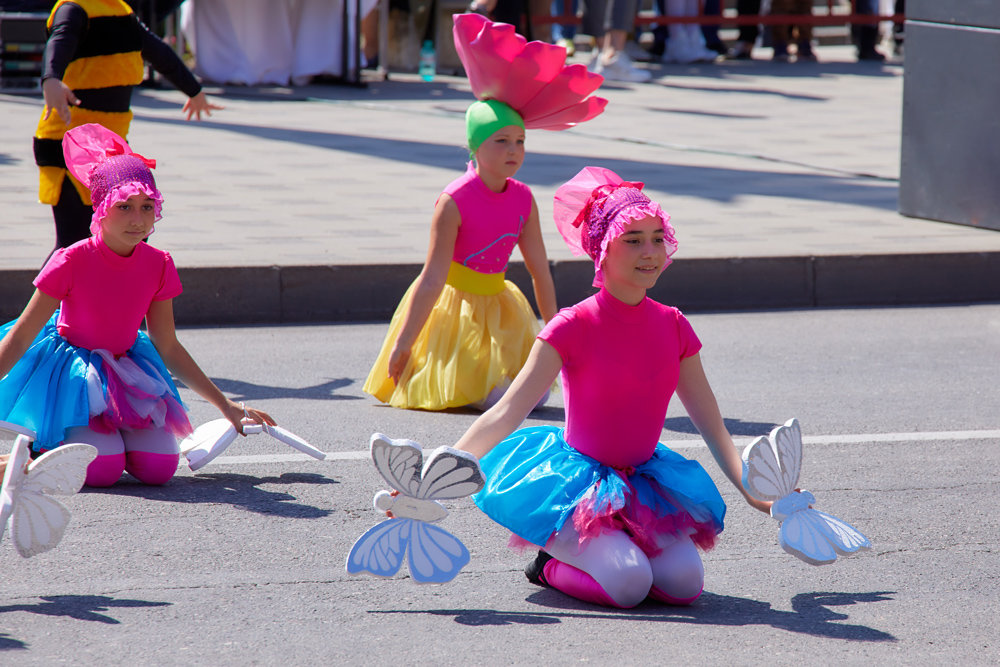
(491, 221)
(620, 368)
(104, 296)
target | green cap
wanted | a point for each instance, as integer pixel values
(486, 117)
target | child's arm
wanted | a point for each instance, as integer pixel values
(160, 326)
(533, 250)
(699, 401)
(430, 282)
(34, 316)
(535, 378)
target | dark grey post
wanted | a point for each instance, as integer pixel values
(950, 166)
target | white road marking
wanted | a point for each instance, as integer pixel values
(846, 439)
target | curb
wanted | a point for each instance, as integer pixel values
(365, 293)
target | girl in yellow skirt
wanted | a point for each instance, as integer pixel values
(462, 332)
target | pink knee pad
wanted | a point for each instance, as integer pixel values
(105, 470)
(661, 596)
(150, 468)
(577, 583)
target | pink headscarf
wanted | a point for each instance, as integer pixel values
(104, 163)
(596, 206)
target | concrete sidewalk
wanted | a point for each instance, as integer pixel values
(313, 203)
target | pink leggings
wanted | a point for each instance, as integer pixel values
(611, 570)
(150, 455)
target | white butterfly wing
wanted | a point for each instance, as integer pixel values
(766, 475)
(13, 478)
(39, 520)
(207, 442)
(845, 538)
(436, 555)
(294, 441)
(38, 524)
(450, 473)
(787, 441)
(380, 550)
(817, 537)
(60, 471)
(398, 461)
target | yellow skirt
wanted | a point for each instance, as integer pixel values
(469, 344)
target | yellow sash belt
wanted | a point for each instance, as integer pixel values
(466, 279)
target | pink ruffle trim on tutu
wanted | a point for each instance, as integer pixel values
(120, 194)
(638, 521)
(531, 77)
(133, 398)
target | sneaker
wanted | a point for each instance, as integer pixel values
(620, 68)
(742, 51)
(534, 570)
(569, 45)
(872, 55)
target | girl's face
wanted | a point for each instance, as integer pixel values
(128, 223)
(635, 260)
(502, 154)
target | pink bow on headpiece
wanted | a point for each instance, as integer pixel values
(109, 168)
(594, 208)
(531, 77)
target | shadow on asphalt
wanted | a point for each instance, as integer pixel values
(80, 607)
(237, 490)
(239, 390)
(810, 613)
(551, 169)
(734, 426)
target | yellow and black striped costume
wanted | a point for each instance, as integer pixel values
(97, 48)
(106, 66)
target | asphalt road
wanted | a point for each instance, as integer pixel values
(243, 562)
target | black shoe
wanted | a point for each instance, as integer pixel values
(871, 55)
(534, 570)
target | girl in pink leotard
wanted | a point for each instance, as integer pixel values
(618, 516)
(462, 332)
(74, 365)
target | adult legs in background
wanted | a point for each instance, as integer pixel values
(866, 36)
(748, 33)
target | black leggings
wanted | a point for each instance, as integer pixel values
(72, 216)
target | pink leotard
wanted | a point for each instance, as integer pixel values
(620, 369)
(491, 221)
(105, 296)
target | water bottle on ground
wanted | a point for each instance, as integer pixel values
(428, 61)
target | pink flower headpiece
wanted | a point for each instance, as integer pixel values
(530, 77)
(104, 163)
(596, 206)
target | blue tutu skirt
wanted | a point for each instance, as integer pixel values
(56, 386)
(535, 482)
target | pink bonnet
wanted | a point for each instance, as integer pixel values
(596, 206)
(104, 163)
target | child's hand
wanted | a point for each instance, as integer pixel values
(199, 104)
(58, 96)
(397, 362)
(237, 412)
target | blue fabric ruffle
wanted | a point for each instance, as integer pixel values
(47, 390)
(535, 480)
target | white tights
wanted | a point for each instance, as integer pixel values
(622, 569)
